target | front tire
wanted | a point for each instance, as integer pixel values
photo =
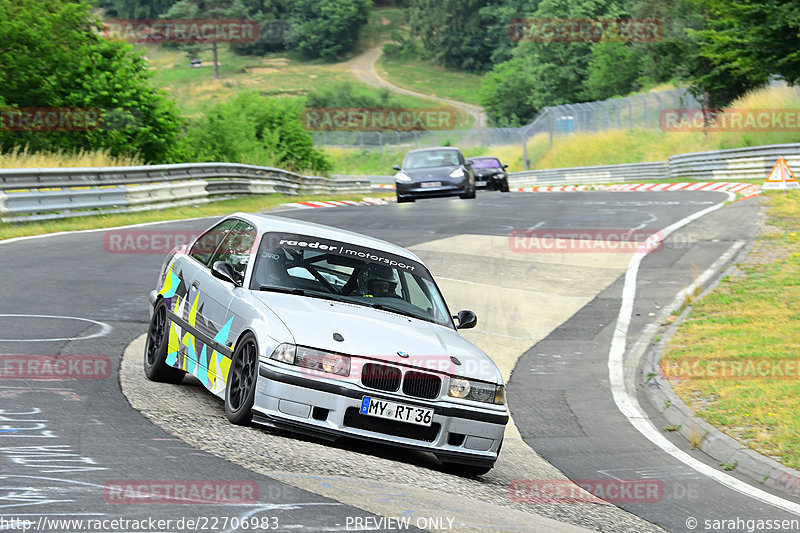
(404, 199)
(155, 349)
(240, 389)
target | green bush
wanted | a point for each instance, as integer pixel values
(344, 94)
(326, 28)
(255, 130)
(53, 57)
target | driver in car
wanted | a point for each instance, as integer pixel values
(382, 283)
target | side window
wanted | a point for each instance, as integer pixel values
(208, 242)
(237, 248)
(416, 295)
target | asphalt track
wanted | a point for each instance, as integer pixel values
(62, 442)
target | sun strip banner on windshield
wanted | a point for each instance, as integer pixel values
(344, 249)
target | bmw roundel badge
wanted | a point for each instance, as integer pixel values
(402, 354)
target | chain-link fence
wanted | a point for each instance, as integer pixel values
(642, 111)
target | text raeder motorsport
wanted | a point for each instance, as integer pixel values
(342, 250)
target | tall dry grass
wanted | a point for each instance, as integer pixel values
(23, 158)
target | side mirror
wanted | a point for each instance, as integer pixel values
(505, 166)
(397, 167)
(466, 319)
(224, 271)
(469, 162)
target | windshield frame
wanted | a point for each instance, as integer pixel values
(288, 252)
(411, 155)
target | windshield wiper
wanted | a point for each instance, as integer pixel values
(391, 309)
(286, 290)
(301, 292)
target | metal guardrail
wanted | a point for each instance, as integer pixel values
(735, 163)
(594, 174)
(41, 194)
(719, 165)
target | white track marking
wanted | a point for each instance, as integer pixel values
(627, 402)
(105, 329)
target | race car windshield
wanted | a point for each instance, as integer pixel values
(485, 163)
(431, 158)
(306, 265)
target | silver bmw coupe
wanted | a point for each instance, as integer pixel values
(323, 331)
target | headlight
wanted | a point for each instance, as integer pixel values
(457, 173)
(459, 388)
(402, 176)
(284, 353)
(477, 391)
(311, 359)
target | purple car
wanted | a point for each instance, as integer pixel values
(490, 173)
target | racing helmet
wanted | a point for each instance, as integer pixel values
(381, 280)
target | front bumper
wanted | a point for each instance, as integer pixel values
(416, 190)
(491, 181)
(326, 408)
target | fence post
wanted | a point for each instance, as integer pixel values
(630, 113)
(644, 110)
(524, 152)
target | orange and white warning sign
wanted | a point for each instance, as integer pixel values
(781, 177)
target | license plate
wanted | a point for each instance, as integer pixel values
(431, 184)
(421, 416)
(480, 183)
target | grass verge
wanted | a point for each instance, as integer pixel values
(223, 207)
(279, 74)
(427, 78)
(736, 353)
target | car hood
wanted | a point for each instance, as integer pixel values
(423, 174)
(487, 171)
(379, 334)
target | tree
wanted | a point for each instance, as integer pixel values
(463, 34)
(53, 57)
(613, 70)
(205, 10)
(136, 9)
(506, 91)
(326, 28)
(546, 73)
(752, 40)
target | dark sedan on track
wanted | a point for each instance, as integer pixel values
(490, 173)
(433, 173)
